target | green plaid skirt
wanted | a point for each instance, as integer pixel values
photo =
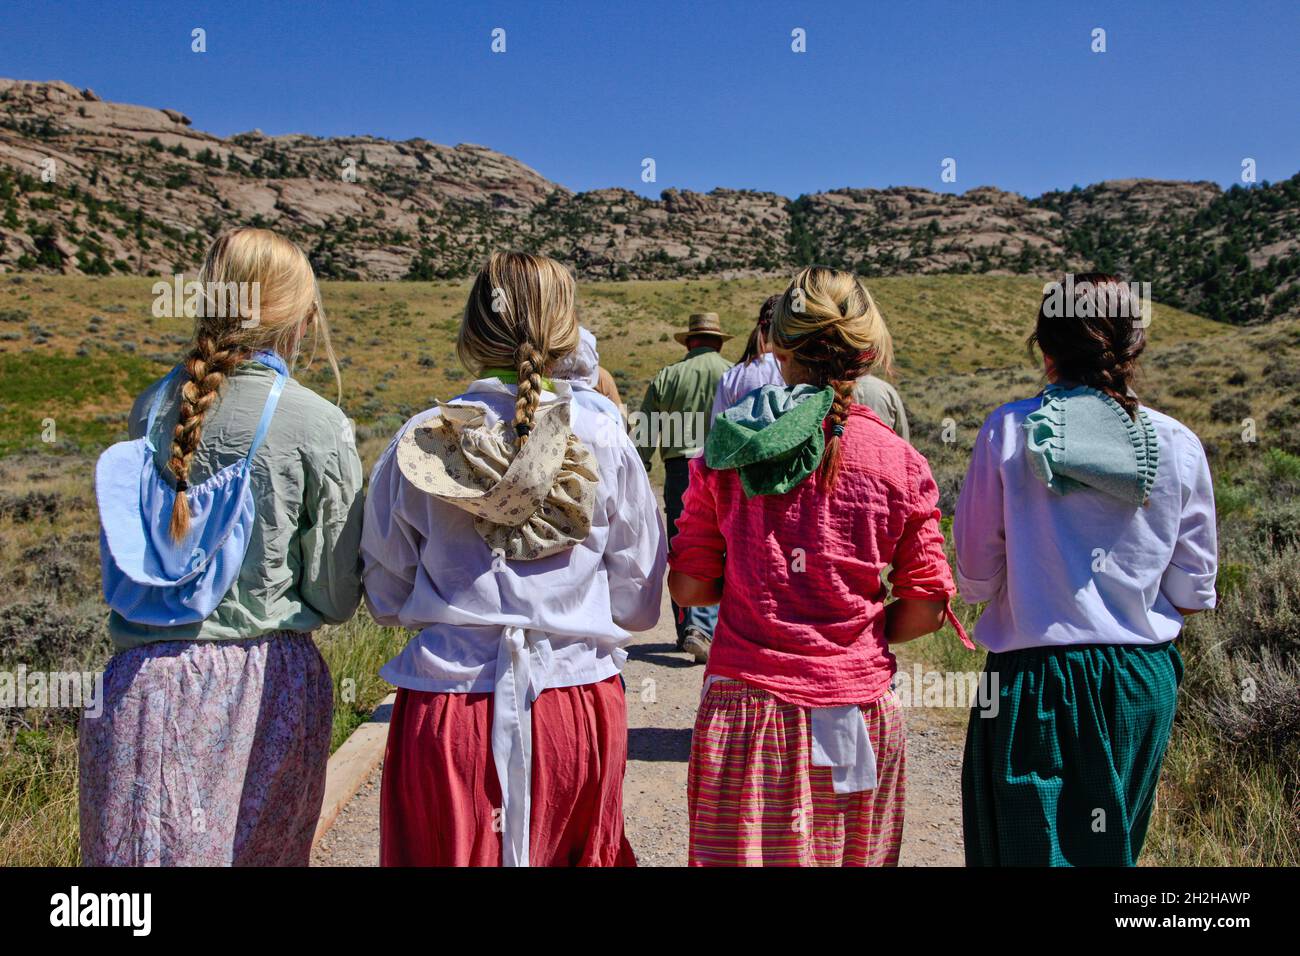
(1065, 772)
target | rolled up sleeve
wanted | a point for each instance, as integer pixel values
(978, 532)
(330, 543)
(1188, 582)
(920, 568)
(635, 552)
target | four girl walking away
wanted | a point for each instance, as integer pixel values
(514, 531)
(1087, 523)
(800, 504)
(230, 531)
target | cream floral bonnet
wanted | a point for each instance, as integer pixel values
(528, 502)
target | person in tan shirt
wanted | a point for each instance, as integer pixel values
(606, 386)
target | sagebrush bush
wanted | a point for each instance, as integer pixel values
(43, 635)
(1231, 409)
(31, 506)
(1243, 670)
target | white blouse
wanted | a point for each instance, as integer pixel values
(1084, 567)
(513, 628)
(741, 379)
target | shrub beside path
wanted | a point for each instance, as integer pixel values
(663, 689)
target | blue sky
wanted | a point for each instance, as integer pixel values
(713, 91)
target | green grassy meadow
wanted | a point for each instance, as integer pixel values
(74, 351)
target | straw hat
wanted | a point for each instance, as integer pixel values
(703, 323)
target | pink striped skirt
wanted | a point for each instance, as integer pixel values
(755, 799)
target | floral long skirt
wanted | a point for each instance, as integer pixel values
(207, 754)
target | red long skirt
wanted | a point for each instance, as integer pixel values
(440, 794)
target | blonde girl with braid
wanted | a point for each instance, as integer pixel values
(215, 732)
(514, 531)
(801, 503)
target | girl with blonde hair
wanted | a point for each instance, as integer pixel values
(801, 501)
(230, 531)
(514, 530)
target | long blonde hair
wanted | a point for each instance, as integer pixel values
(228, 328)
(521, 315)
(829, 323)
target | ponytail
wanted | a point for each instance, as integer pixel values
(829, 323)
(521, 314)
(1098, 341)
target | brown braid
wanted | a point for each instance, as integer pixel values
(211, 359)
(1098, 346)
(837, 416)
(529, 363)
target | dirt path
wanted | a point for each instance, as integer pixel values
(663, 688)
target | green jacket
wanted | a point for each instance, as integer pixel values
(675, 414)
(303, 566)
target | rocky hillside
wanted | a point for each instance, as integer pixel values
(93, 187)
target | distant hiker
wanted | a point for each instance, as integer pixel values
(231, 526)
(514, 529)
(675, 419)
(800, 503)
(606, 385)
(883, 399)
(1086, 522)
(757, 366)
(581, 369)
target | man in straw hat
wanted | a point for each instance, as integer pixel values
(675, 419)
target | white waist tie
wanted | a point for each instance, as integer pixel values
(522, 671)
(840, 740)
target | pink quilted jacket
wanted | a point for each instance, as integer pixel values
(802, 611)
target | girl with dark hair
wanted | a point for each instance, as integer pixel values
(801, 501)
(757, 366)
(1087, 523)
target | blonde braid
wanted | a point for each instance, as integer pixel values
(529, 364)
(521, 314)
(211, 359)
